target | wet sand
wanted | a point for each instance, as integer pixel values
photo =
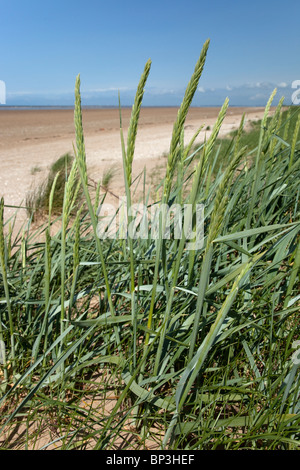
(31, 140)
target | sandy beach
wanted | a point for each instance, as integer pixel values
(32, 139)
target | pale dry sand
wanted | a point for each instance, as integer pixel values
(31, 140)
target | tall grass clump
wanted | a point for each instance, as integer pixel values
(37, 201)
(154, 341)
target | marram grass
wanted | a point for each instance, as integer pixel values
(109, 343)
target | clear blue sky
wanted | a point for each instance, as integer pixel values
(44, 45)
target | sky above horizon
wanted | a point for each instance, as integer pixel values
(254, 47)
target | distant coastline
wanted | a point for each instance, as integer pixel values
(68, 107)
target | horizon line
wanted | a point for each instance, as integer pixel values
(96, 106)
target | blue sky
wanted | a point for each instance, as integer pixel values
(44, 45)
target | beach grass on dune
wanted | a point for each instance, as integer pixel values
(155, 342)
(37, 200)
(286, 127)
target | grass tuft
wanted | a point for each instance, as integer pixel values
(37, 201)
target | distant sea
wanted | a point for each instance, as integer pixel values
(57, 107)
(27, 107)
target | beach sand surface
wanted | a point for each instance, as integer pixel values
(32, 139)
